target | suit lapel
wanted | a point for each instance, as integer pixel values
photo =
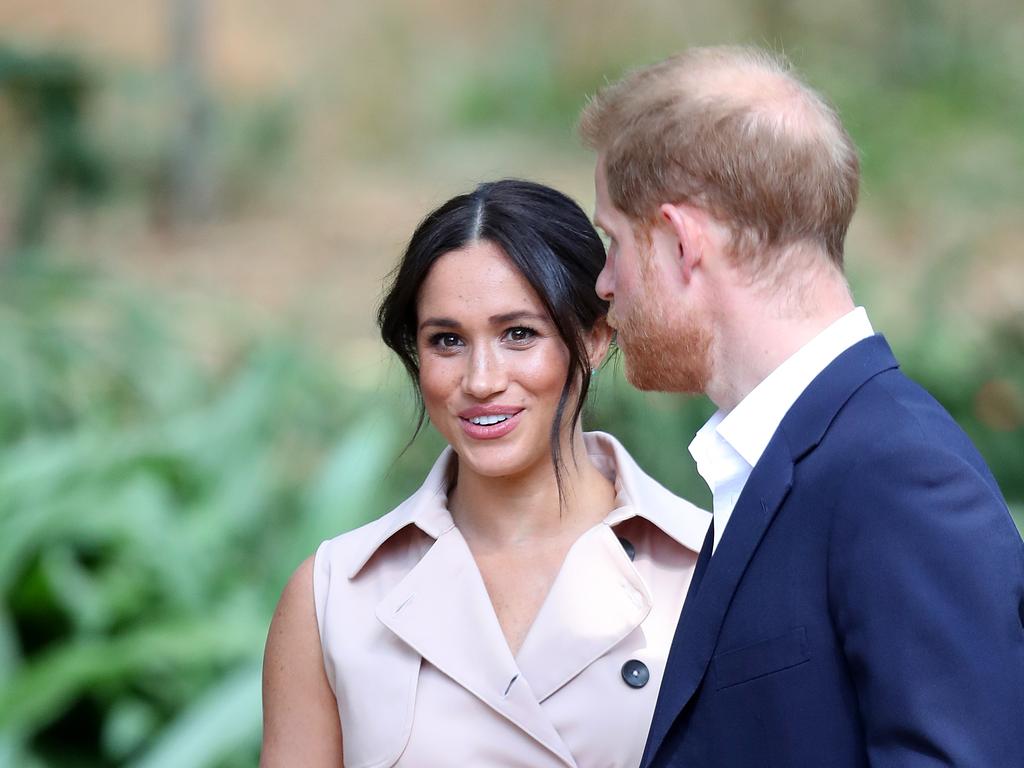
(702, 616)
(441, 609)
(801, 430)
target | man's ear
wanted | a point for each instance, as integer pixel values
(684, 227)
(598, 340)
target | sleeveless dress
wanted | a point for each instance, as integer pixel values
(420, 668)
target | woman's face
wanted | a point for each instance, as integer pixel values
(492, 364)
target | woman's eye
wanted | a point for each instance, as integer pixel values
(444, 340)
(520, 335)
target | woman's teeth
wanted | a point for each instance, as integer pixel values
(486, 421)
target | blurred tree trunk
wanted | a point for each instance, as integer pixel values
(191, 175)
(47, 94)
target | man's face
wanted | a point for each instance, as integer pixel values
(665, 339)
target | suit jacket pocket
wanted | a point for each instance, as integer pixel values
(760, 659)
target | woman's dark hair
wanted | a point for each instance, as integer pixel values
(549, 240)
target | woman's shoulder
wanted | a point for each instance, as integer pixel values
(300, 715)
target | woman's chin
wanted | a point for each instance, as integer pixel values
(494, 462)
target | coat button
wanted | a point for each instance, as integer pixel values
(628, 546)
(635, 673)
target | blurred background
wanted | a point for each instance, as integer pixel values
(199, 203)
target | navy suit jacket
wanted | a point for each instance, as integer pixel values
(865, 606)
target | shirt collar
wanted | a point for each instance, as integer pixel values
(749, 427)
(717, 460)
(637, 495)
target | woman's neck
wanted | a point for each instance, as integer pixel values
(500, 512)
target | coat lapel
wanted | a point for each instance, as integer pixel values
(597, 599)
(801, 430)
(441, 609)
(701, 619)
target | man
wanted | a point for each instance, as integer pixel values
(860, 597)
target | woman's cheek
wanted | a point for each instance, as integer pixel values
(543, 368)
(438, 380)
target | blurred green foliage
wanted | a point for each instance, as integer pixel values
(152, 506)
(155, 496)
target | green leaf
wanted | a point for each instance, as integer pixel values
(42, 688)
(343, 493)
(225, 719)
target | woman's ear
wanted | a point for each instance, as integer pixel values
(598, 340)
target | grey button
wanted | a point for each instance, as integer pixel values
(635, 673)
(628, 546)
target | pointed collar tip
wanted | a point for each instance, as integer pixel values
(427, 509)
(643, 496)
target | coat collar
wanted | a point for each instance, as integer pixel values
(597, 599)
(441, 608)
(442, 611)
(427, 509)
(801, 430)
(637, 494)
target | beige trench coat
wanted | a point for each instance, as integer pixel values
(421, 670)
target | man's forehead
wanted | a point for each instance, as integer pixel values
(605, 212)
(602, 199)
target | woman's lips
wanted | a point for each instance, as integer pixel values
(489, 431)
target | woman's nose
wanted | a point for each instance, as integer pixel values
(486, 374)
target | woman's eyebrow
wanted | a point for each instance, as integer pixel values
(439, 322)
(505, 317)
(511, 317)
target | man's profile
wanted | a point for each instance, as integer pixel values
(860, 597)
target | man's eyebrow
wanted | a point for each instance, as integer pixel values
(439, 322)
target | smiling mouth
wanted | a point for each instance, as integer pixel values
(487, 421)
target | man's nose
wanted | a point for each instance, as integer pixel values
(605, 286)
(485, 375)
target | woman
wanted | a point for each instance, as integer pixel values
(518, 608)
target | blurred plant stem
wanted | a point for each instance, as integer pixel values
(191, 175)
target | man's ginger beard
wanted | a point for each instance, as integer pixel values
(664, 351)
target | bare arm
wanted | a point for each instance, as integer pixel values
(300, 715)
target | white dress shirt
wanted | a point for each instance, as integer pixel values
(729, 445)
